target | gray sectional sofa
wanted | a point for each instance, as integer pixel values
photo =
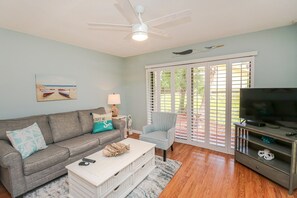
(68, 137)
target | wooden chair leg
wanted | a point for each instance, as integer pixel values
(172, 147)
(164, 155)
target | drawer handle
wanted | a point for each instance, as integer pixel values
(116, 173)
(143, 165)
(143, 154)
(116, 188)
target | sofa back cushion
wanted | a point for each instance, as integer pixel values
(65, 126)
(86, 118)
(20, 123)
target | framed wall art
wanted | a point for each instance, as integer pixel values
(51, 87)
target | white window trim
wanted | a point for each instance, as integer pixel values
(201, 60)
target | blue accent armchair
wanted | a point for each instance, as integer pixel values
(161, 132)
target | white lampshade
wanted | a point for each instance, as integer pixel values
(114, 99)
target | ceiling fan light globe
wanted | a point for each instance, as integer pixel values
(139, 32)
(139, 36)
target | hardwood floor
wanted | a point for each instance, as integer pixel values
(205, 173)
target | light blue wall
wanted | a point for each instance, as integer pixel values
(97, 74)
(22, 56)
(276, 63)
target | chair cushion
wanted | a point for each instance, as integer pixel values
(86, 118)
(65, 126)
(27, 140)
(106, 136)
(79, 144)
(157, 137)
(43, 159)
(20, 123)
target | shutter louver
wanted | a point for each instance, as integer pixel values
(165, 98)
(198, 104)
(152, 94)
(217, 105)
(241, 78)
(181, 103)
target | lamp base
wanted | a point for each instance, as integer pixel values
(114, 111)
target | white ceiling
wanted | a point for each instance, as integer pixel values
(66, 21)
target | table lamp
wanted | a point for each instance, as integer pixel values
(114, 99)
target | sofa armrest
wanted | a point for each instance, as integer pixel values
(148, 128)
(171, 135)
(8, 155)
(11, 163)
(119, 124)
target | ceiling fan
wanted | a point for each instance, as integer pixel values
(139, 28)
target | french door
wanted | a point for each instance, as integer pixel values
(205, 97)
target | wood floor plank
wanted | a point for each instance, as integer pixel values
(205, 173)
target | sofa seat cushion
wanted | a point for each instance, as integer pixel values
(105, 137)
(79, 144)
(43, 159)
(157, 137)
(86, 118)
(65, 126)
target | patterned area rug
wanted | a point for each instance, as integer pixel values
(150, 187)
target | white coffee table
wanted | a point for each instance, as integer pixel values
(112, 176)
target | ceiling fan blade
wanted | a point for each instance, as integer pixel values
(109, 25)
(128, 11)
(129, 36)
(168, 18)
(157, 32)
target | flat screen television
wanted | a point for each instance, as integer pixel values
(270, 105)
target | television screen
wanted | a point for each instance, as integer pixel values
(272, 105)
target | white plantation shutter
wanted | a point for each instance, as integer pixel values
(165, 92)
(241, 78)
(180, 96)
(205, 97)
(198, 104)
(217, 104)
(151, 94)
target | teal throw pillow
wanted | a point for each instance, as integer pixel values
(28, 140)
(102, 122)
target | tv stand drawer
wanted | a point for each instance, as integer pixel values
(265, 170)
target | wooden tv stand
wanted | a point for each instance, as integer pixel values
(282, 169)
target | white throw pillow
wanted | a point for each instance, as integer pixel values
(28, 140)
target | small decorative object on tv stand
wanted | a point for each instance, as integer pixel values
(281, 169)
(266, 154)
